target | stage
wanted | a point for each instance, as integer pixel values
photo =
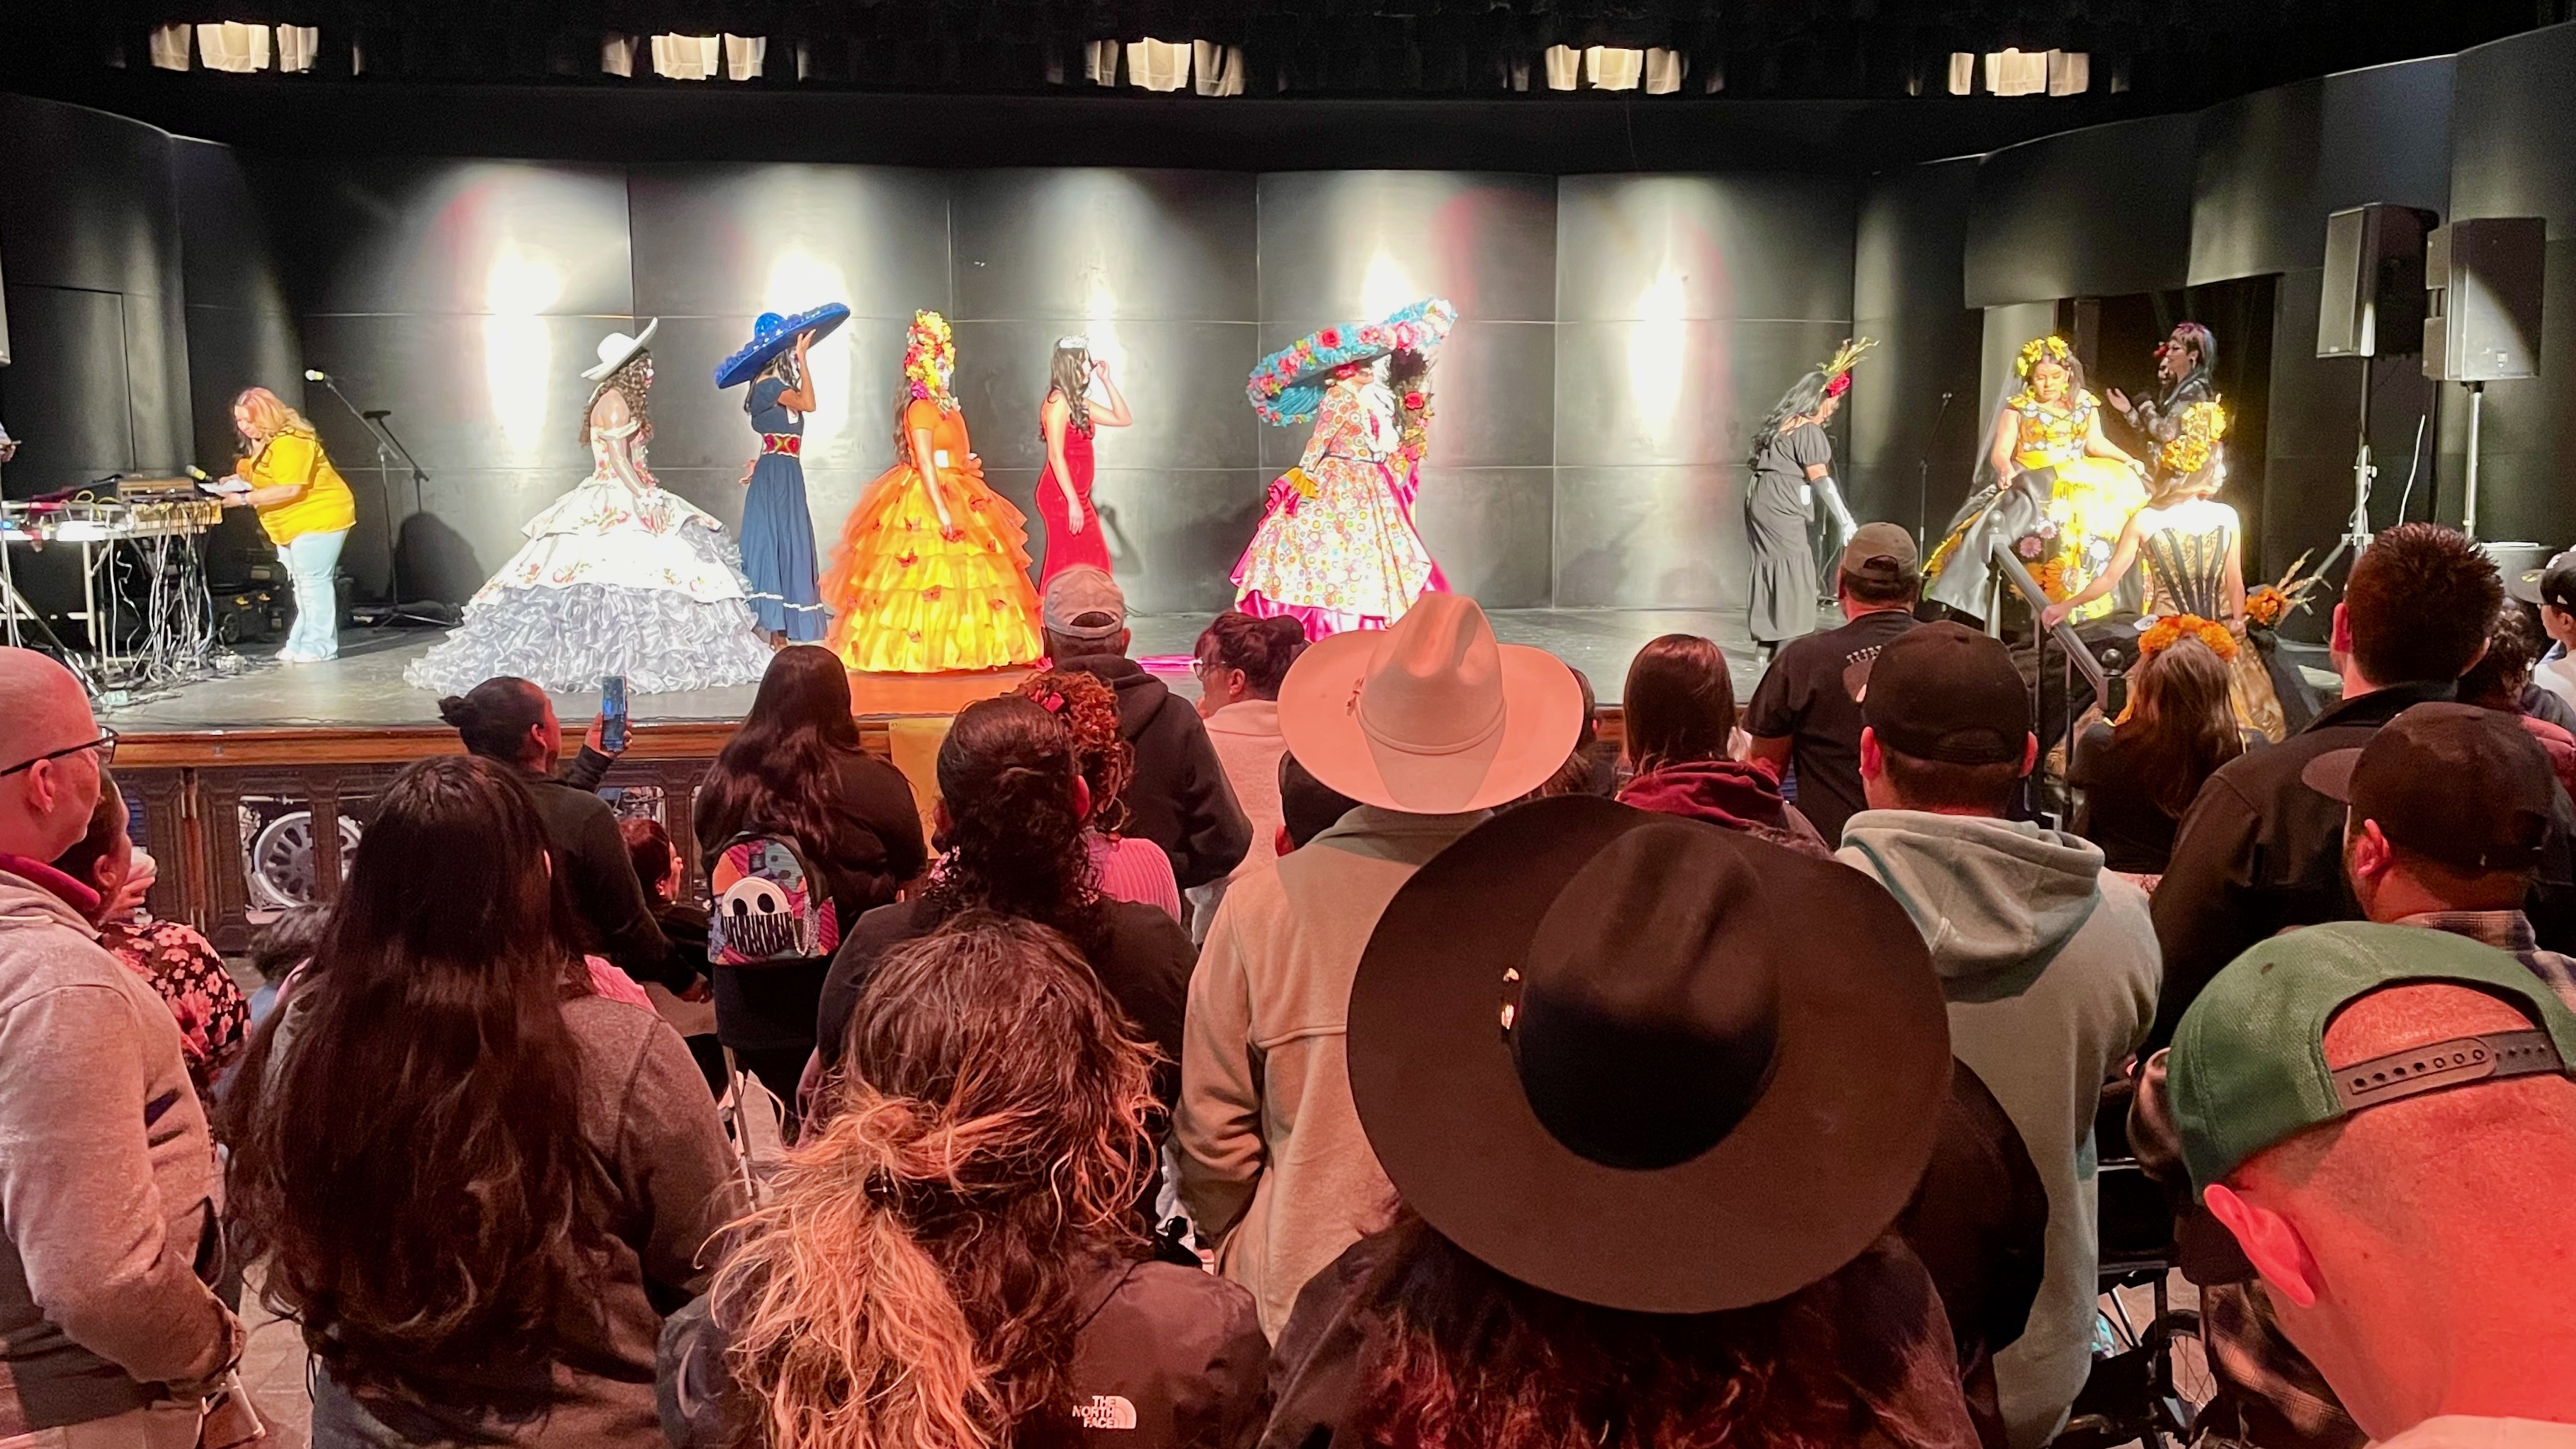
(357, 709)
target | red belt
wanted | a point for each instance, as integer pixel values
(792, 444)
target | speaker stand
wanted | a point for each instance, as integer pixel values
(2469, 501)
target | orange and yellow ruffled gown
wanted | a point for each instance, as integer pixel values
(906, 600)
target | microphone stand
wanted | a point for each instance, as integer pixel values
(1923, 475)
(388, 448)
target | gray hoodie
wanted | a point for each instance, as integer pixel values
(2050, 968)
(108, 1180)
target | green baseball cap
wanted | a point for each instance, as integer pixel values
(2249, 1069)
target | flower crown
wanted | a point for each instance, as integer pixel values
(2171, 629)
(2042, 349)
(2200, 425)
(929, 350)
(1837, 368)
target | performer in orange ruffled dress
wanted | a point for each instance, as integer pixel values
(932, 570)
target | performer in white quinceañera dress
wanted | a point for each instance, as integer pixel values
(618, 577)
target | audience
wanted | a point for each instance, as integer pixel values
(512, 723)
(1307, 806)
(109, 1328)
(2408, 1226)
(1678, 711)
(183, 966)
(2552, 591)
(1240, 661)
(2139, 775)
(690, 1010)
(1126, 867)
(795, 769)
(2048, 964)
(2260, 851)
(1428, 725)
(471, 1180)
(948, 1259)
(1622, 1225)
(1805, 713)
(1012, 812)
(1178, 797)
(1592, 766)
(2501, 681)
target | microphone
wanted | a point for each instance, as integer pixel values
(198, 473)
(312, 374)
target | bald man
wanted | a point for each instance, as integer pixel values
(108, 1184)
(2384, 1119)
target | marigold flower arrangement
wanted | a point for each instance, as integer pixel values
(2201, 426)
(2170, 629)
(2268, 604)
(2042, 349)
(929, 354)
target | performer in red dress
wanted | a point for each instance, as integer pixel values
(1066, 421)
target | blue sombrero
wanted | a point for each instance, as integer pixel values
(772, 335)
(1288, 387)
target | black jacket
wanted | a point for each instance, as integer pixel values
(2259, 853)
(1179, 799)
(581, 832)
(875, 849)
(1165, 1357)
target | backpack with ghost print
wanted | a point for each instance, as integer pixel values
(770, 908)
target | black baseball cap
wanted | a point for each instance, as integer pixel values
(1946, 692)
(2554, 583)
(2466, 786)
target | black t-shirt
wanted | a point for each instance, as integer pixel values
(1811, 697)
(2136, 834)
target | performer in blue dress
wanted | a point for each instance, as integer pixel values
(777, 530)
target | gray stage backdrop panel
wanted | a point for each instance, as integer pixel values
(1353, 245)
(2093, 213)
(2274, 163)
(1492, 529)
(1674, 248)
(1088, 249)
(738, 240)
(496, 238)
(1182, 381)
(1647, 537)
(1675, 393)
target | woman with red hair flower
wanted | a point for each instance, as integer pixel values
(1793, 464)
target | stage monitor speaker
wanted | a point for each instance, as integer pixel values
(2373, 299)
(2483, 279)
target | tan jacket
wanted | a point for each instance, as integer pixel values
(108, 1182)
(1272, 1160)
(1246, 736)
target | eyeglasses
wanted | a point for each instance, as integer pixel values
(105, 744)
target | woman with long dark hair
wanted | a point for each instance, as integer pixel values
(2139, 776)
(795, 768)
(1013, 812)
(1793, 464)
(948, 1260)
(1067, 419)
(1677, 713)
(471, 1180)
(1125, 867)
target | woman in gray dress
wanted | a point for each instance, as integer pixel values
(1793, 463)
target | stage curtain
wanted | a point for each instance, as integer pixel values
(233, 46)
(173, 46)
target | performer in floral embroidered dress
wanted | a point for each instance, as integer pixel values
(1336, 548)
(619, 576)
(2056, 489)
(932, 570)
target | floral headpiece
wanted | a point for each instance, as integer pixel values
(2042, 349)
(2200, 426)
(1288, 387)
(1838, 368)
(929, 352)
(2170, 629)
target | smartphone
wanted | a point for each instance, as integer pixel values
(612, 709)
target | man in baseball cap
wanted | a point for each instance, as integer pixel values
(2047, 964)
(2384, 1120)
(2551, 589)
(1805, 714)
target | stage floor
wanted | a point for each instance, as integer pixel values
(364, 688)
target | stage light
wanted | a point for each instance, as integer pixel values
(518, 352)
(1100, 318)
(1384, 288)
(1659, 350)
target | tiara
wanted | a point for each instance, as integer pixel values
(1076, 343)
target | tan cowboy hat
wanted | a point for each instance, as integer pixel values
(1431, 717)
(616, 348)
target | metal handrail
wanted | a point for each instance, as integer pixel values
(2031, 593)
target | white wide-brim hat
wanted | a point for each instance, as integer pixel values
(616, 349)
(1431, 716)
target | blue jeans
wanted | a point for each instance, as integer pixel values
(311, 561)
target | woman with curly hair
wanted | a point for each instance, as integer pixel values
(1126, 867)
(1013, 809)
(474, 1182)
(949, 1262)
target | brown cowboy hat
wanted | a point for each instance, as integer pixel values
(1644, 1062)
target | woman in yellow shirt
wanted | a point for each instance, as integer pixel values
(306, 509)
